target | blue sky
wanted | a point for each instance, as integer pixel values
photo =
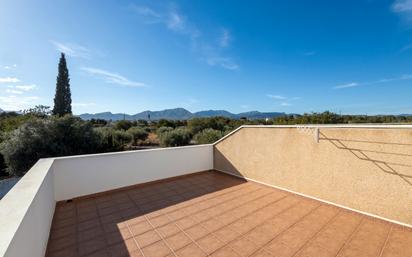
(130, 56)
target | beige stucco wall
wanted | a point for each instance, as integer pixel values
(366, 169)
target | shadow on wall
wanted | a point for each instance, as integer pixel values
(223, 164)
(385, 165)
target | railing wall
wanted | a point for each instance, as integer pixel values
(367, 168)
(26, 211)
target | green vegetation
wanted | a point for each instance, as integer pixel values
(208, 136)
(62, 98)
(40, 138)
(34, 134)
(174, 137)
(138, 134)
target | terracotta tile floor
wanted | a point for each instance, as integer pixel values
(212, 214)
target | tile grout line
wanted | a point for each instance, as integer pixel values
(386, 240)
(226, 201)
(196, 185)
(214, 197)
(315, 208)
(318, 232)
(184, 232)
(155, 230)
(349, 239)
(102, 226)
(171, 221)
(198, 223)
(95, 204)
(241, 235)
(134, 240)
(161, 237)
(217, 204)
(130, 231)
(227, 244)
(76, 229)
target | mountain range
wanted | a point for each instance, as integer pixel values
(179, 114)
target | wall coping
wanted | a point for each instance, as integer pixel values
(16, 203)
(323, 126)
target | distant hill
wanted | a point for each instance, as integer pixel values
(179, 114)
(215, 113)
(259, 115)
(1, 110)
(170, 114)
(105, 116)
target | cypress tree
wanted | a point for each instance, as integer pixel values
(62, 98)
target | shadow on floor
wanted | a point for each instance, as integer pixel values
(103, 225)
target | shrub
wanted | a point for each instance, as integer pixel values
(208, 136)
(174, 137)
(122, 137)
(138, 134)
(162, 130)
(40, 138)
(196, 125)
(112, 140)
(123, 124)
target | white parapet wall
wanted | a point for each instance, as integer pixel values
(88, 174)
(26, 212)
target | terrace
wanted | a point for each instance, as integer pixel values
(260, 191)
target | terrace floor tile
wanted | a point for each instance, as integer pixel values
(214, 214)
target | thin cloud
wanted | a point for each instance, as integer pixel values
(173, 20)
(285, 100)
(13, 91)
(356, 84)
(145, 11)
(9, 80)
(310, 53)
(348, 85)
(112, 78)
(406, 48)
(71, 49)
(26, 87)
(9, 67)
(223, 62)
(277, 97)
(15, 103)
(225, 38)
(402, 6)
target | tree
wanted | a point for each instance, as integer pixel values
(41, 138)
(40, 111)
(138, 134)
(123, 124)
(175, 137)
(62, 98)
(208, 136)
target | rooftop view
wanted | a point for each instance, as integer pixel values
(207, 128)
